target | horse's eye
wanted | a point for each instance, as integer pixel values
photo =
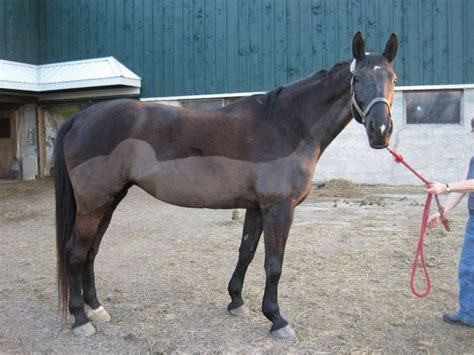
(356, 79)
(395, 81)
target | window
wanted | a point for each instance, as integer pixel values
(205, 104)
(433, 107)
(5, 131)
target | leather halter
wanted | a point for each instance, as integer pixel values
(363, 113)
(371, 104)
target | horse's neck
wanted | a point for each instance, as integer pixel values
(328, 127)
(323, 106)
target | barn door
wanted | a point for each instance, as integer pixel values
(8, 144)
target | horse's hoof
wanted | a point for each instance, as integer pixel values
(84, 331)
(285, 333)
(240, 311)
(98, 315)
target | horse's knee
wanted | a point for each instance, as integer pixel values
(273, 269)
(247, 251)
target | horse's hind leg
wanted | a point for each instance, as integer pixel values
(96, 313)
(77, 250)
(253, 227)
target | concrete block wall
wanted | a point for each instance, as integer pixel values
(439, 151)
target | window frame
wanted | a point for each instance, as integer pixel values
(407, 91)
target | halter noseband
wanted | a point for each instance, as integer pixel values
(364, 113)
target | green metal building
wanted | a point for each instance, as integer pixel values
(190, 47)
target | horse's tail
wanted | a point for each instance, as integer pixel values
(65, 214)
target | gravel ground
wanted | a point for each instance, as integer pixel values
(162, 274)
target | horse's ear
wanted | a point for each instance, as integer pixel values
(391, 48)
(358, 46)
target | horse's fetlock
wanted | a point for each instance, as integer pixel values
(76, 307)
(269, 309)
(235, 287)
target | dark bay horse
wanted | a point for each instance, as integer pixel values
(259, 153)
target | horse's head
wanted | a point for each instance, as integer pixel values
(373, 85)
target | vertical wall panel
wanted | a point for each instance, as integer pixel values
(371, 23)
(385, 20)
(199, 74)
(149, 60)
(255, 45)
(317, 30)
(427, 39)
(268, 45)
(93, 31)
(138, 37)
(243, 40)
(280, 42)
(210, 45)
(413, 44)
(157, 77)
(468, 40)
(292, 40)
(304, 38)
(441, 43)
(220, 46)
(232, 44)
(344, 30)
(397, 27)
(456, 31)
(10, 27)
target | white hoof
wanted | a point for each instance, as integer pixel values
(285, 333)
(98, 315)
(240, 311)
(84, 331)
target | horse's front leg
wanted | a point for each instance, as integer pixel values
(253, 226)
(277, 221)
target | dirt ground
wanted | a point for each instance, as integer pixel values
(162, 274)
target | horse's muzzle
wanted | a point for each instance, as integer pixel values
(379, 132)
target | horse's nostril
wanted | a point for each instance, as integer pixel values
(371, 126)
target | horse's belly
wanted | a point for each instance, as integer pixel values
(194, 181)
(213, 182)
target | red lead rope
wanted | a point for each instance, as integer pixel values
(419, 256)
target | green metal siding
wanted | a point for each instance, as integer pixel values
(19, 34)
(185, 47)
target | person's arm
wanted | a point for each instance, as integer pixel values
(463, 186)
(458, 190)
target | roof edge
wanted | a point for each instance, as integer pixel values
(78, 74)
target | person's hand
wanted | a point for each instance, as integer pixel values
(434, 220)
(436, 188)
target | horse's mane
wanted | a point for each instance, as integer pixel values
(272, 96)
(271, 100)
